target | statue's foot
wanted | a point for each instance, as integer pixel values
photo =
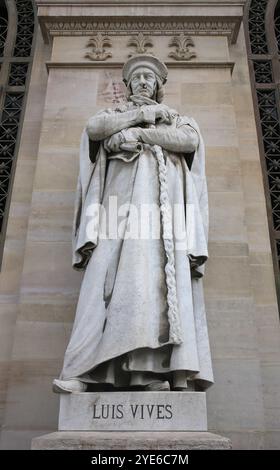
(188, 387)
(68, 386)
(158, 386)
(181, 382)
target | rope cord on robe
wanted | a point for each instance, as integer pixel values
(175, 332)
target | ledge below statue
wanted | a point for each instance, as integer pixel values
(82, 440)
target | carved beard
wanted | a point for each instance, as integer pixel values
(145, 92)
(145, 89)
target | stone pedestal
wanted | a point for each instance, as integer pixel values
(74, 440)
(133, 411)
(132, 420)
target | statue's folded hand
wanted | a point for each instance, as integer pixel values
(132, 134)
(162, 112)
(113, 143)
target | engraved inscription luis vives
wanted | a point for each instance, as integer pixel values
(132, 411)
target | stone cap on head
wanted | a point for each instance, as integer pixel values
(144, 60)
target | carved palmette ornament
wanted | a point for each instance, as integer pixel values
(140, 42)
(99, 43)
(182, 44)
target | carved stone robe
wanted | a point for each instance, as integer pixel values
(122, 324)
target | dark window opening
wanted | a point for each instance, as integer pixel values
(277, 24)
(16, 53)
(262, 27)
(3, 26)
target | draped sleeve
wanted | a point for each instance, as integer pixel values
(89, 194)
(197, 203)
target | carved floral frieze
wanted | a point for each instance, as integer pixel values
(182, 44)
(99, 45)
(141, 43)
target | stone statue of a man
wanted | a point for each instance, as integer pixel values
(140, 321)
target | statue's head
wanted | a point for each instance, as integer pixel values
(145, 75)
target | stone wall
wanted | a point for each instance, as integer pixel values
(39, 289)
(15, 370)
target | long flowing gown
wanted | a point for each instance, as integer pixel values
(123, 332)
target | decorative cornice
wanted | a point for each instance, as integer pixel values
(228, 26)
(119, 65)
(202, 3)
